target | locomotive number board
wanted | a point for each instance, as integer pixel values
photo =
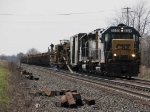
(122, 30)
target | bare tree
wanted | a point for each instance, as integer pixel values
(32, 51)
(137, 16)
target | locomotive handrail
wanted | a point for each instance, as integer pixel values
(109, 52)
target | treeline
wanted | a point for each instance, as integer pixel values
(15, 58)
(12, 58)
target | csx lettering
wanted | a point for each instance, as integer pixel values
(123, 46)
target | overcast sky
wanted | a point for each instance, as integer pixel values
(26, 24)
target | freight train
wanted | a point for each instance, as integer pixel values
(113, 51)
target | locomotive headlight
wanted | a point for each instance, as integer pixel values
(133, 55)
(121, 30)
(115, 54)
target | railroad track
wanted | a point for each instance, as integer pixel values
(137, 82)
(141, 81)
(136, 91)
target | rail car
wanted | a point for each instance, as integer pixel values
(53, 57)
(113, 51)
(38, 59)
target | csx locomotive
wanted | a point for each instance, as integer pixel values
(113, 51)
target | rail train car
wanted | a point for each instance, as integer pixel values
(113, 51)
(24, 59)
(41, 59)
(84, 54)
(57, 57)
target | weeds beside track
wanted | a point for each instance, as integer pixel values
(3, 87)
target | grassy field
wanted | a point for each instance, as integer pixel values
(3, 87)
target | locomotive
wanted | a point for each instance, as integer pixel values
(113, 51)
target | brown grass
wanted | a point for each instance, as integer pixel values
(18, 94)
(144, 72)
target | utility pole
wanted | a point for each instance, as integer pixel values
(127, 14)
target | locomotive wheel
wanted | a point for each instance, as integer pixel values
(128, 77)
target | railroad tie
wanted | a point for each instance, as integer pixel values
(70, 99)
(89, 101)
(77, 98)
(63, 102)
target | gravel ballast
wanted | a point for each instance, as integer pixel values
(104, 101)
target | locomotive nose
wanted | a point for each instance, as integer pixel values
(122, 49)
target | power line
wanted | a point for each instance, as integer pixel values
(57, 21)
(64, 14)
(83, 20)
(85, 12)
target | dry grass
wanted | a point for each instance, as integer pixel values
(3, 88)
(18, 93)
(144, 73)
(13, 98)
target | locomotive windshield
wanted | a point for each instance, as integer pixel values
(122, 36)
(110, 36)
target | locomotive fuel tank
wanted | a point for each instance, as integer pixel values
(84, 67)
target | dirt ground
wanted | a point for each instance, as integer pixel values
(17, 93)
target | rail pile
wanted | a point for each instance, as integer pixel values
(73, 99)
(69, 98)
(28, 75)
